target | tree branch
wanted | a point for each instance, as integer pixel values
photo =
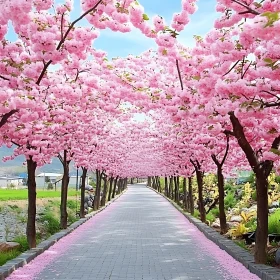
(6, 79)
(64, 38)
(231, 68)
(6, 116)
(249, 10)
(179, 73)
(243, 142)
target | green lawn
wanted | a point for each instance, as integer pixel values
(22, 194)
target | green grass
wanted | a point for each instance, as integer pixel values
(6, 256)
(22, 194)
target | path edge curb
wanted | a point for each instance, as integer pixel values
(265, 272)
(26, 257)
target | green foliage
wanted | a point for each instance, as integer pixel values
(6, 256)
(196, 214)
(22, 240)
(23, 194)
(251, 224)
(52, 223)
(72, 218)
(274, 222)
(215, 211)
(254, 195)
(210, 217)
(242, 244)
(71, 204)
(50, 186)
(230, 201)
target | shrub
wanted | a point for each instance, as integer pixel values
(254, 195)
(50, 186)
(230, 201)
(210, 217)
(215, 211)
(22, 240)
(71, 204)
(52, 224)
(274, 222)
(252, 224)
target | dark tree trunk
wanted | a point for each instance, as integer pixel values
(158, 184)
(178, 189)
(262, 170)
(171, 187)
(111, 180)
(190, 197)
(166, 186)
(185, 199)
(64, 191)
(199, 177)
(96, 202)
(221, 183)
(31, 212)
(222, 214)
(262, 217)
(149, 183)
(125, 184)
(83, 185)
(115, 186)
(103, 200)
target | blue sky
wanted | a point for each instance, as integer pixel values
(119, 44)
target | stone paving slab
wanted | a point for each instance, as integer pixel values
(140, 236)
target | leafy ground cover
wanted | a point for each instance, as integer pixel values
(22, 194)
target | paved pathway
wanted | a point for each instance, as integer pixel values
(139, 236)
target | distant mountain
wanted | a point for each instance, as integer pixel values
(17, 166)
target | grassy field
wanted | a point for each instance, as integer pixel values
(22, 194)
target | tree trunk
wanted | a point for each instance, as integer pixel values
(82, 206)
(64, 191)
(262, 170)
(96, 202)
(190, 197)
(166, 186)
(149, 183)
(171, 187)
(31, 212)
(178, 189)
(185, 202)
(111, 180)
(199, 177)
(262, 217)
(222, 214)
(115, 186)
(103, 200)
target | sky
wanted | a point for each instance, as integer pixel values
(118, 44)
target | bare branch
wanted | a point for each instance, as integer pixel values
(179, 73)
(4, 78)
(231, 68)
(249, 9)
(6, 116)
